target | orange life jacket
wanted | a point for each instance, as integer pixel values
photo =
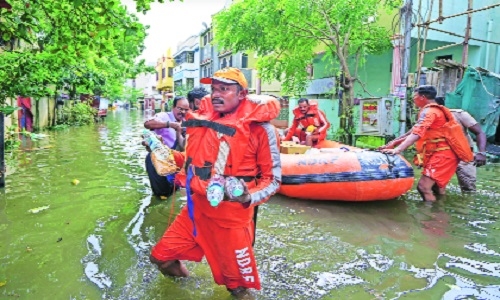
(213, 141)
(311, 117)
(450, 136)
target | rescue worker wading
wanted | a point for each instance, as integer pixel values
(229, 135)
(440, 143)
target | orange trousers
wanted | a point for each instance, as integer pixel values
(228, 251)
(441, 166)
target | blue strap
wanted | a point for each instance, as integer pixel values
(171, 178)
(190, 203)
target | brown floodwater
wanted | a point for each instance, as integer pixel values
(91, 240)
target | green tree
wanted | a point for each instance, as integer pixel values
(132, 94)
(73, 45)
(77, 46)
(145, 5)
(286, 33)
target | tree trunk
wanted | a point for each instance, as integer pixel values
(347, 107)
(348, 113)
(2, 150)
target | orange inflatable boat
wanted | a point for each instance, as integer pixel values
(345, 173)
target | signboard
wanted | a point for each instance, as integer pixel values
(376, 116)
(400, 91)
(321, 86)
(370, 122)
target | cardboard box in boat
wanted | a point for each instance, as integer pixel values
(293, 148)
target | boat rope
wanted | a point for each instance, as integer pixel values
(391, 163)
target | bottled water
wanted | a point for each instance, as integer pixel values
(215, 190)
(234, 187)
(161, 156)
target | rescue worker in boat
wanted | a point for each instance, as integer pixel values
(466, 171)
(229, 135)
(440, 142)
(309, 123)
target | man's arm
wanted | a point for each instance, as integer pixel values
(427, 117)
(412, 138)
(155, 123)
(468, 121)
(322, 120)
(480, 157)
(269, 165)
(181, 140)
(395, 142)
(291, 130)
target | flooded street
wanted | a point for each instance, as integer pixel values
(91, 240)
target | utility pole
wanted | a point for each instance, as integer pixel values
(258, 84)
(465, 52)
(406, 10)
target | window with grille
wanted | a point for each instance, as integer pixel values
(190, 57)
(244, 60)
(163, 73)
(190, 83)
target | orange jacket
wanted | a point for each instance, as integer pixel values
(447, 136)
(314, 116)
(242, 144)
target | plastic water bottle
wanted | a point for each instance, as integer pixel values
(215, 190)
(161, 156)
(151, 139)
(234, 187)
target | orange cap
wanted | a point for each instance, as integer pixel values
(227, 75)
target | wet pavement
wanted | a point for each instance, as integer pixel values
(91, 240)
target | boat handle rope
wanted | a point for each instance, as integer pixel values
(390, 162)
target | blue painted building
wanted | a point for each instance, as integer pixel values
(187, 63)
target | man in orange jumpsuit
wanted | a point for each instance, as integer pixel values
(309, 123)
(439, 160)
(229, 135)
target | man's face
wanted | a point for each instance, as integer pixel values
(419, 100)
(226, 97)
(196, 103)
(303, 107)
(180, 109)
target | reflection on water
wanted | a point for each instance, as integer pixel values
(94, 239)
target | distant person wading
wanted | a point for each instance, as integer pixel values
(466, 171)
